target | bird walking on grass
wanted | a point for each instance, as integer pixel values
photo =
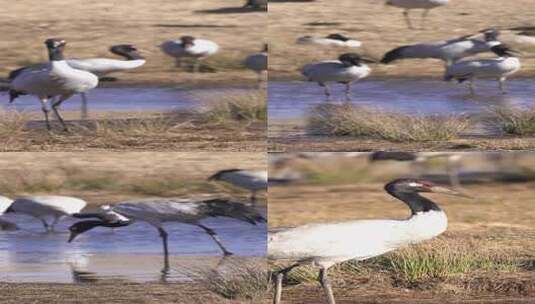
(325, 245)
(258, 63)
(336, 40)
(189, 47)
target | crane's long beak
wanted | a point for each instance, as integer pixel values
(72, 236)
(448, 191)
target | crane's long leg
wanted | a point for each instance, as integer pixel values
(327, 91)
(407, 19)
(55, 106)
(53, 225)
(278, 288)
(348, 91)
(45, 111)
(260, 80)
(326, 283)
(279, 276)
(501, 82)
(163, 235)
(216, 239)
(45, 224)
(196, 65)
(471, 86)
(84, 106)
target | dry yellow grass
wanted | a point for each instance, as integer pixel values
(140, 131)
(354, 121)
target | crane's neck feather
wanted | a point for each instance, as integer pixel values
(416, 202)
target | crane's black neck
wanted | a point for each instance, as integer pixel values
(130, 55)
(416, 202)
(84, 226)
(55, 54)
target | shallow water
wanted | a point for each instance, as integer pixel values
(124, 99)
(132, 253)
(420, 97)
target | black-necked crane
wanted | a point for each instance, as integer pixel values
(251, 180)
(419, 159)
(54, 79)
(325, 245)
(449, 51)
(99, 66)
(408, 5)
(336, 39)
(258, 63)
(349, 67)
(189, 47)
(158, 211)
(47, 206)
(498, 68)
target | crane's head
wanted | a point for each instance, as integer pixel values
(55, 43)
(411, 185)
(187, 41)
(337, 36)
(128, 51)
(350, 59)
(491, 34)
(504, 50)
(55, 48)
(81, 227)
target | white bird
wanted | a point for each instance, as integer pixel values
(97, 66)
(5, 202)
(252, 180)
(189, 47)
(258, 63)
(336, 39)
(56, 78)
(47, 206)
(449, 51)
(407, 5)
(348, 68)
(324, 245)
(160, 210)
(499, 68)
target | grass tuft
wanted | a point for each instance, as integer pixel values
(516, 121)
(240, 282)
(436, 260)
(348, 120)
(12, 128)
(247, 107)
